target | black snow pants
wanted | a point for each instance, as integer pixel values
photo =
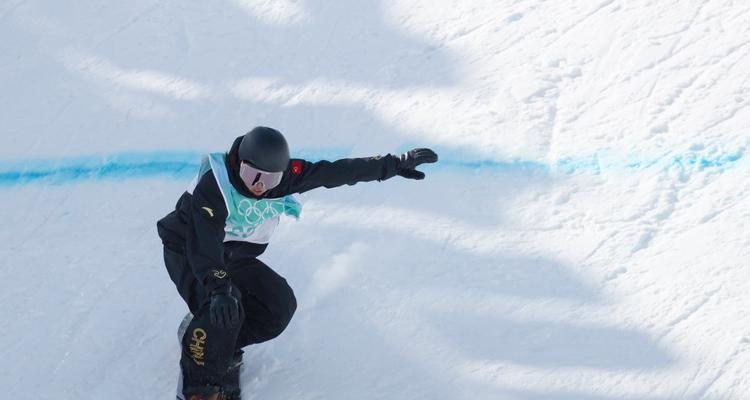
(267, 304)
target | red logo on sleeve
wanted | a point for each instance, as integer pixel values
(296, 167)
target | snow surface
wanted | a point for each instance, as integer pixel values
(584, 236)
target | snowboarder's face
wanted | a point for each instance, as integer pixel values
(258, 181)
(258, 189)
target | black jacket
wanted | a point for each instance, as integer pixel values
(196, 226)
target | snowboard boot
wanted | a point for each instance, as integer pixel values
(187, 392)
(204, 393)
(197, 392)
(232, 388)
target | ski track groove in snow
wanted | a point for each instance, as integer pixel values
(12, 9)
(132, 21)
(578, 23)
(703, 391)
(687, 26)
(689, 311)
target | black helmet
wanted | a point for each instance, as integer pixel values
(265, 148)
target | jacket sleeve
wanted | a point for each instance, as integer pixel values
(305, 175)
(205, 233)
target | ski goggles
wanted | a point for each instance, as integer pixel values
(256, 178)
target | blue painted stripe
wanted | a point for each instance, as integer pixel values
(599, 163)
(112, 166)
(120, 166)
(183, 165)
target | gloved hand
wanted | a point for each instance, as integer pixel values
(411, 159)
(224, 309)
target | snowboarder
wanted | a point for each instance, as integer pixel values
(220, 226)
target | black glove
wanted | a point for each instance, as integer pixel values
(224, 311)
(412, 159)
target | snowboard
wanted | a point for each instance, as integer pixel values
(180, 334)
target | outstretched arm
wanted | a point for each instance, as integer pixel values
(304, 175)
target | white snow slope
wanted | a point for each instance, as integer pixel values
(584, 236)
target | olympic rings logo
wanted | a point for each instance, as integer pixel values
(255, 212)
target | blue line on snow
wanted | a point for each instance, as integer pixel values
(184, 165)
(115, 166)
(128, 165)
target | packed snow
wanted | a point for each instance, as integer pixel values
(584, 236)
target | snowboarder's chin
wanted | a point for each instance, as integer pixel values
(257, 192)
